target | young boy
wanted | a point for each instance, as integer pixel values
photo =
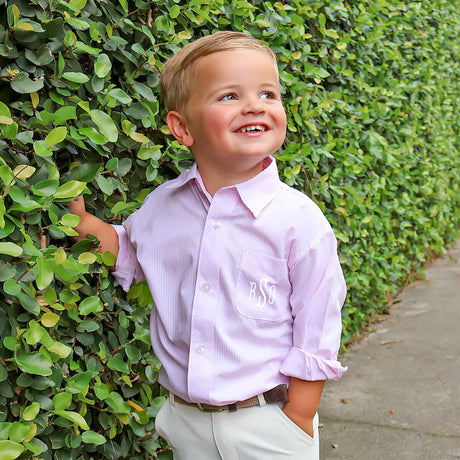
(243, 269)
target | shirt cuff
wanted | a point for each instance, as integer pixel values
(124, 271)
(305, 366)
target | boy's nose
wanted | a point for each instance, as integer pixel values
(252, 104)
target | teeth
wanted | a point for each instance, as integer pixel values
(252, 129)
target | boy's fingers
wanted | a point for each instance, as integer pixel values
(77, 205)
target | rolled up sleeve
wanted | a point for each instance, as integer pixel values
(318, 293)
(127, 269)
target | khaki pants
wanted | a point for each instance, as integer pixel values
(253, 433)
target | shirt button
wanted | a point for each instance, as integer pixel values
(216, 224)
(206, 287)
(200, 350)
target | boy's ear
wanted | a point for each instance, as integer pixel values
(178, 127)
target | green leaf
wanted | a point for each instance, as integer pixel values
(3, 230)
(78, 24)
(11, 287)
(139, 137)
(19, 431)
(29, 303)
(107, 185)
(76, 77)
(79, 383)
(60, 349)
(34, 333)
(56, 135)
(10, 249)
(71, 189)
(40, 58)
(87, 49)
(174, 11)
(121, 96)
(89, 305)
(109, 259)
(44, 272)
(62, 401)
(116, 363)
(10, 131)
(74, 417)
(77, 4)
(103, 390)
(23, 84)
(31, 412)
(4, 428)
(144, 91)
(46, 187)
(94, 135)
(105, 124)
(117, 403)
(102, 66)
(87, 258)
(331, 33)
(41, 149)
(11, 343)
(6, 175)
(10, 450)
(49, 319)
(124, 5)
(91, 437)
(23, 171)
(69, 112)
(6, 120)
(71, 220)
(4, 110)
(34, 363)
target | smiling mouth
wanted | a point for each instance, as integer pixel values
(252, 129)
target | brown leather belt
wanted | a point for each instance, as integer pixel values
(275, 395)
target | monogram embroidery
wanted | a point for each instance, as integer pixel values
(261, 293)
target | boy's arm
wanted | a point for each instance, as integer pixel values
(92, 225)
(304, 397)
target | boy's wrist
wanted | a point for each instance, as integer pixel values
(303, 421)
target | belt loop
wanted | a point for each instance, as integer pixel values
(171, 398)
(262, 401)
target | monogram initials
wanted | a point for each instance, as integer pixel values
(261, 293)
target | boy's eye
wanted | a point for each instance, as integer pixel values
(267, 95)
(228, 97)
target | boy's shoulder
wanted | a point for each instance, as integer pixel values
(296, 201)
(158, 200)
(301, 213)
(168, 186)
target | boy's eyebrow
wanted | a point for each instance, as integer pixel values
(236, 86)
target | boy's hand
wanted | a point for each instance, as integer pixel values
(303, 402)
(90, 224)
(78, 207)
(305, 423)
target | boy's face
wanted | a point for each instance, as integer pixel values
(234, 116)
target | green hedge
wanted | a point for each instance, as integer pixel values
(372, 98)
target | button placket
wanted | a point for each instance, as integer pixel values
(202, 351)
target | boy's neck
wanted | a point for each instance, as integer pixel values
(216, 178)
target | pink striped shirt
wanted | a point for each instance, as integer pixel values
(247, 285)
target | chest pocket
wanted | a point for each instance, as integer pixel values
(263, 288)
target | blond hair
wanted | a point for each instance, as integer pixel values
(178, 73)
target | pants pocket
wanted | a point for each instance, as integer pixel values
(296, 428)
(160, 419)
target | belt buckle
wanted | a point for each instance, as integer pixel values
(202, 409)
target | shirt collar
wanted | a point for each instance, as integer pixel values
(255, 193)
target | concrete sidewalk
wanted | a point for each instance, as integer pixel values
(400, 398)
